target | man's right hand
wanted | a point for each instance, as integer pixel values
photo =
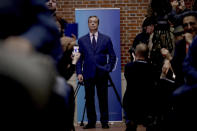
(80, 77)
(166, 54)
(166, 67)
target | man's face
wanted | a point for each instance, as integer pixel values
(190, 25)
(93, 24)
(51, 4)
(149, 29)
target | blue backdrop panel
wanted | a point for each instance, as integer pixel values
(109, 25)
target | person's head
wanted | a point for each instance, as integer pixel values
(93, 23)
(52, 5)
(189, 22)
(141, 51)
(150, 29)
(148, 25)
(178, 33)
(179, 6)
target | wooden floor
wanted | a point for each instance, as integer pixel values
(114, 126)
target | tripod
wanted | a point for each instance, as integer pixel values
(116, 92)
(77, 89)
(79, 84)
(110, 85)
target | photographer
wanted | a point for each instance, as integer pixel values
(70, 56)
(161, 42)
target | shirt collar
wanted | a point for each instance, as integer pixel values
(95, 34)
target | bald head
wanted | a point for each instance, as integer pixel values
(141, 51)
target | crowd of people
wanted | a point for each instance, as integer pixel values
(169, 32)
(37, 59)
(35, 66)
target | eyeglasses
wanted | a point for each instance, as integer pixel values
(189, 23)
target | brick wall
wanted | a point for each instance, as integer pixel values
(132, 13)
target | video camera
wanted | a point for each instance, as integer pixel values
(179, 2)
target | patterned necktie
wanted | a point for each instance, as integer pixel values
(93, 41)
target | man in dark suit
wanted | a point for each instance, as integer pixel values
(97, 60)
(182, 97)
(186, 94)
(189, 23)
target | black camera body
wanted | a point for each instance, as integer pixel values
(179, 2)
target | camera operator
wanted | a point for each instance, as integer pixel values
(144, 36)
(162, 42)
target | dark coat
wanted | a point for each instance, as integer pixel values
(190, 64)
(177, 61)
(102, 58)
(139, 92)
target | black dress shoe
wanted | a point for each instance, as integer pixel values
(89, 126)
(130, 127)
(105, 126)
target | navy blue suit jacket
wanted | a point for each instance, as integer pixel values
(190, 64)
(190, 71)
(102, 58)
(177, 61)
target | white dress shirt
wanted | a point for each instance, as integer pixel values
(95, 35)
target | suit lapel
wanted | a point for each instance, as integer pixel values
(99, 41)
(98, 44)
(89, 44)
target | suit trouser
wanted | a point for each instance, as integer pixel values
(101, 83)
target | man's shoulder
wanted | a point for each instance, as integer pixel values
(180, 43)
(104, 35)
(83, 37)
(195, 40)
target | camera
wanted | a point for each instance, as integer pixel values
(179, 2)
